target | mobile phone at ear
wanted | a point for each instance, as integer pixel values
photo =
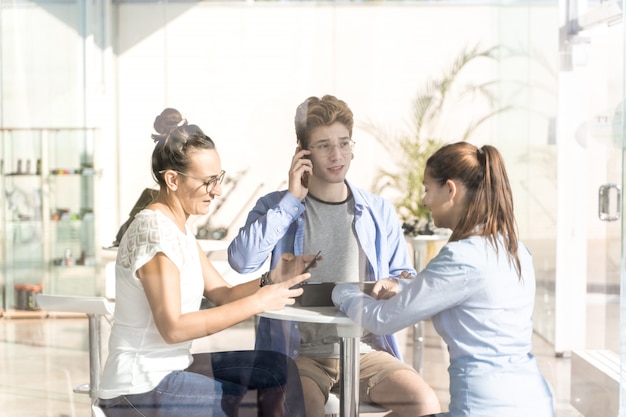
(305, 177)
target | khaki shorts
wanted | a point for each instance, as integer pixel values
(374, 367)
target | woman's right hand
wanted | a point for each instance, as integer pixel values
(277, 296)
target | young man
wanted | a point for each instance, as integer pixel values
(360, 237)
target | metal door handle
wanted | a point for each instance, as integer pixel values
(604, 200)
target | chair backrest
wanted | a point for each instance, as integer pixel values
(76, 304)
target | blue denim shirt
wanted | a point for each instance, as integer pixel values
(276, 226)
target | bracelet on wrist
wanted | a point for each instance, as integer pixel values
(265, 279)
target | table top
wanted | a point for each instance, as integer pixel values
(325, 315)
(309, 315)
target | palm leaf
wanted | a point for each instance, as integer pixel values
(432, 110)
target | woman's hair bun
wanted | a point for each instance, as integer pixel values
(167, 121)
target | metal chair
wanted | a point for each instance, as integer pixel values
(332, 407)
(95, 308)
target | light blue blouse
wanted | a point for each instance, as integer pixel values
(483, 311)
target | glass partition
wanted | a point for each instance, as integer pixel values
(593, 71)
(241, 67)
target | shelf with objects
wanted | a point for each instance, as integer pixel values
(48, 233)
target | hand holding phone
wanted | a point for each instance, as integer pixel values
(308, 266)
(304, 180)
(299, 173)
(312, 262)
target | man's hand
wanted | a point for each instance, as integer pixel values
(301, 167)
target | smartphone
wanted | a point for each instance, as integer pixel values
(305, 177)
(312, 262)
(305, 180)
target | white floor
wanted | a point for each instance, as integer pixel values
(41, 360)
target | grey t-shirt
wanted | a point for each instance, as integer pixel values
(329, 228)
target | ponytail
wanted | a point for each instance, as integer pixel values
(489, 210)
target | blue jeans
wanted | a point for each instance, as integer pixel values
(215, 384)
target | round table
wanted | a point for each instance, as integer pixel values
(350, 334)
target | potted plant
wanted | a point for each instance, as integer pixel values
(440, 104)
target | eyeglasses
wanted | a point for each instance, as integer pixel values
(209, 184)
(345, 146)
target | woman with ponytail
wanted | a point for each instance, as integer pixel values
(479, 290)
(162, 275)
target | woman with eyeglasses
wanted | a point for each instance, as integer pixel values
(162, 275)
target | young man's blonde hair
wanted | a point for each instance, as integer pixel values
(315, 112)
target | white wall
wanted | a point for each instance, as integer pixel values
(240, 70)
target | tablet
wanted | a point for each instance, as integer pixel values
(319, 294)
(316, 294)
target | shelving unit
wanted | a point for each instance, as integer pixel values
(47, 228)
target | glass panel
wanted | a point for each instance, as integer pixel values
(22, 222)
(603, 139)
(597, 60)
(48, 225)
(527, 140)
